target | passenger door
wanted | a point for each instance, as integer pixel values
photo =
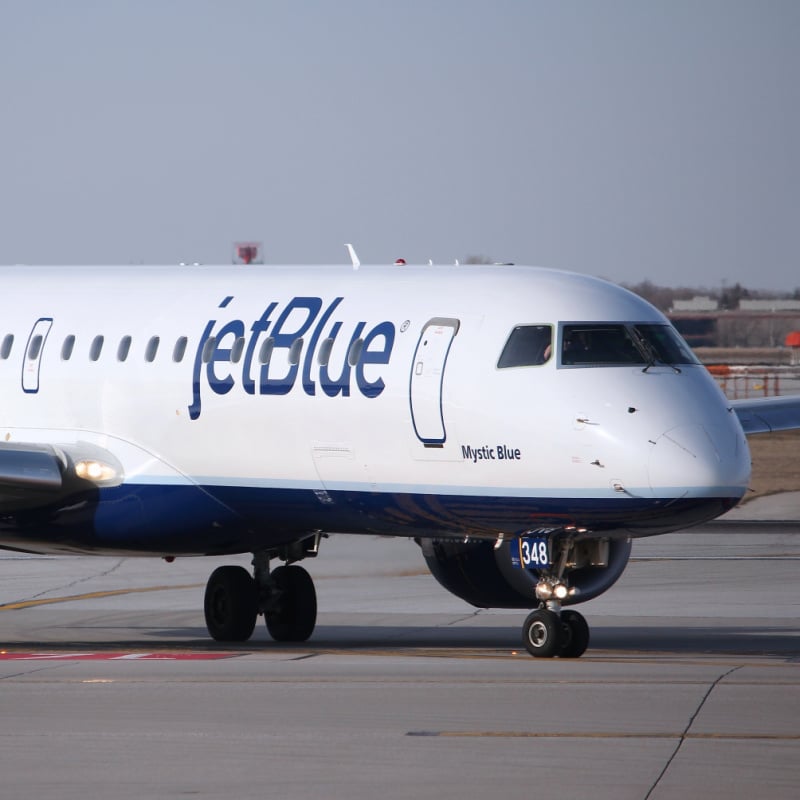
(33, 354)
(427, 378)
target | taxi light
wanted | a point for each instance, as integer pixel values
(560, 591)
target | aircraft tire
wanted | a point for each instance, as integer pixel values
(575, 631)
(295, 612)
(542, 633)
(231, 604)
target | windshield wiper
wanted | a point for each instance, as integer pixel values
(650, 354)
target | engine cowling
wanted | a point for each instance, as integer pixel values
(483, 575)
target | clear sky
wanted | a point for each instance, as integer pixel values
(634, 140)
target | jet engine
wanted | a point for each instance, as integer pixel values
(483, 574)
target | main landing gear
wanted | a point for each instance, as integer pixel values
(285, 596)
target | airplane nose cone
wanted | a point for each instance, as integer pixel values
(686, 461)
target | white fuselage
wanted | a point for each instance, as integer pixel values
(330, 398)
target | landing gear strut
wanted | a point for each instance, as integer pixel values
(548, 631)
(285, 596)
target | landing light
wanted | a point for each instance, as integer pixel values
(547, 590)
(89, 469)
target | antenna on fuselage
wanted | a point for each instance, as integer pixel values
(353, 256)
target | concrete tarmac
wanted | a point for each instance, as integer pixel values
(110, 687)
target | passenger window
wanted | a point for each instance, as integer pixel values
(180, 349)
(295, 350)
(152, 349)
(325, 352)
(208, 348)
(96, 348)
(67, 348)
(355, 352)
(35, 347)
(124, 348)
(527, 346)
(265, 353)
(8, 343)
(237, 350)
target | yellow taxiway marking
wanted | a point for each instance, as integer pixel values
(45, 601)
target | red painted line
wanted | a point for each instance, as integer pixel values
(115, 656)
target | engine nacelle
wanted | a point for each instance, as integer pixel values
(483, 575)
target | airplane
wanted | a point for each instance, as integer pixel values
(523, 425)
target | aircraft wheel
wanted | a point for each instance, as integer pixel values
(575, 634)
(231, 604)
(542, 633)
(294, 614)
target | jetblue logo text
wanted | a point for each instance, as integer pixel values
(266, 356)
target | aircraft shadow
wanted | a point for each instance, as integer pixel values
(772, 641)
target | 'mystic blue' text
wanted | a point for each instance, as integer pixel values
(266, 356)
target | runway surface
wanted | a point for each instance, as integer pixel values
(109, 686)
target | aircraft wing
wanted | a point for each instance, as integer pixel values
(766, 414)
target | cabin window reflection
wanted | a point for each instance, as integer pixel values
(237, 350)
(8, 343)
(124, 348)
(67, 347)
(265, 351)
(152, 349)
(295, 351)
(527, 346)
(208, 348)
(96, 348)
(325, 352)
(354, 353)
(180, 349)
(35, 347)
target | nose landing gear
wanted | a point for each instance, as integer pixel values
(549, 632)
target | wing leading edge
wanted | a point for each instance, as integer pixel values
(767, 414)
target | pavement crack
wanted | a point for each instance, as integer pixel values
(466, 617)
(78, 581)
(32, 671)
(685, 733)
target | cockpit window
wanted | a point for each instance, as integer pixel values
(612, 344)
(527, 346)
(600, 343)
(666, 344)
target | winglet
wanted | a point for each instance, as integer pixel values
(353, 256)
